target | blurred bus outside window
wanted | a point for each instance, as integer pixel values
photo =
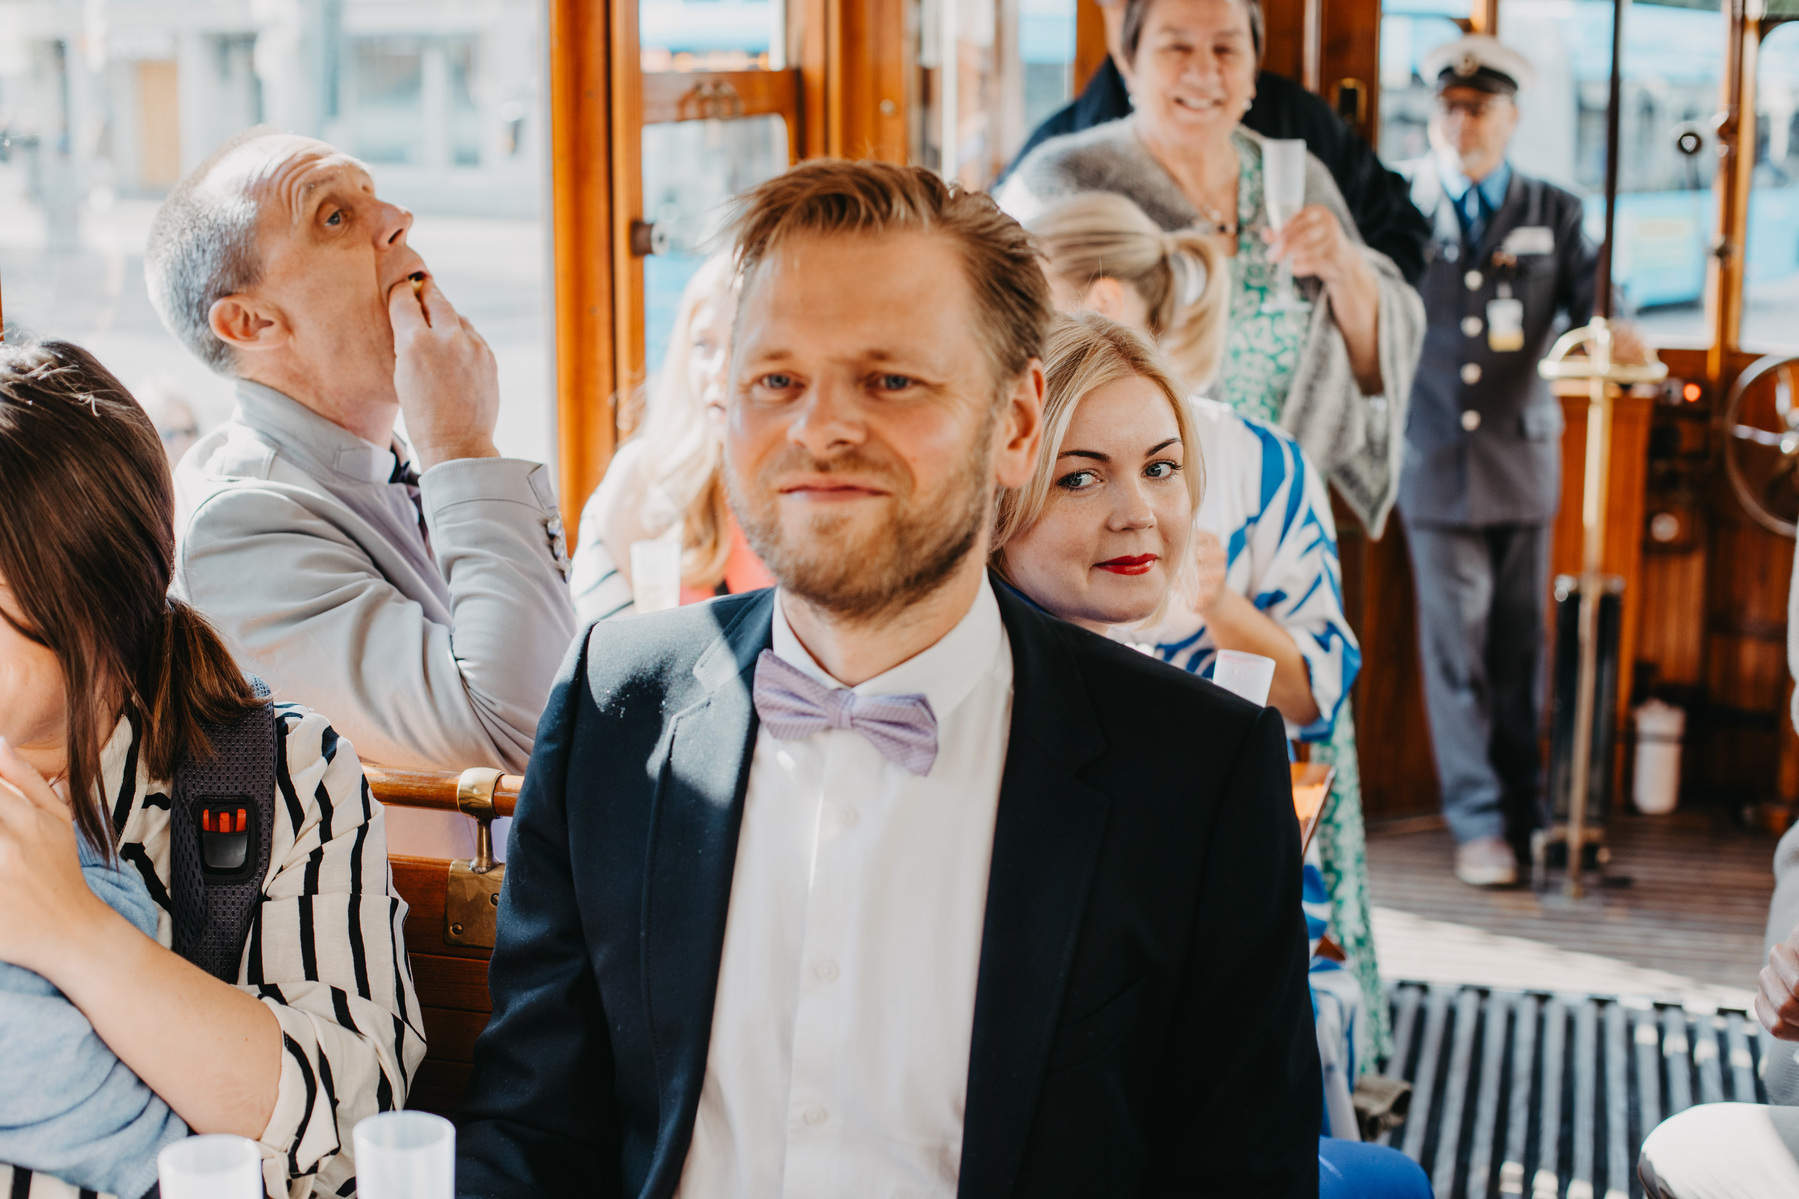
(105, 104)
(1771, 257)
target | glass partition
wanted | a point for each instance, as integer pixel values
(1771, 252)
(711, 35)
(104, 105)
(691, 169)
(1409, 31)
(1673, 62)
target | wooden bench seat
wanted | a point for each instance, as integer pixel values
(451, 979)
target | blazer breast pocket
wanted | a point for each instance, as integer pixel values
(1092, 1036)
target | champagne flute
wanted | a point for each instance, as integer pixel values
(210, 1167)
(1283, 195)
(405, 1155)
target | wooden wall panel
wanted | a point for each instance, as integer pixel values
(1089, 42)
(1398, 769)
(581, 157)
(1399, 774)
(868, 96)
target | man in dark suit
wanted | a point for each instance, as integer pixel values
(1375, 196)
(884, 882)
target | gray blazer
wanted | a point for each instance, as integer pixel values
(293, 538)
(1484, 438)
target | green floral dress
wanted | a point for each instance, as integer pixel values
(1261, 352)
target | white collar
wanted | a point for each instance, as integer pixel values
(945, 673)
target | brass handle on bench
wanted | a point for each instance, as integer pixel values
(472, 897)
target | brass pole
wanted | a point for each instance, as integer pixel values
(1592, 559)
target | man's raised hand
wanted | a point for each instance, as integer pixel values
(444, 375)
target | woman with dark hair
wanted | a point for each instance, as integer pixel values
(109, 688)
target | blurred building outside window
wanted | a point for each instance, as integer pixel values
(105, 104)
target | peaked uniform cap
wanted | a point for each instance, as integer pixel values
(1479, 61)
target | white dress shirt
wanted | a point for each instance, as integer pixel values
(838, 1060)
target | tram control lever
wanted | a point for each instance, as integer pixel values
(1602, 376)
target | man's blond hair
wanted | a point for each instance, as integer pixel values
(834, 197)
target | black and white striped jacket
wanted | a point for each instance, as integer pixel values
(325, 952)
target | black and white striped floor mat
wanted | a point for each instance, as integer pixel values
(1550, 1096)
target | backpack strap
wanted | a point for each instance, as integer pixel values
(220, 823)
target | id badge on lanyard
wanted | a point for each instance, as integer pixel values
(1505, 322)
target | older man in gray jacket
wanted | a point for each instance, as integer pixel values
(415, 593)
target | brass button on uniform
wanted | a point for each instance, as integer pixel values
(1471, 373)
(1471, 420)
(1473, 279)
(1471, 326)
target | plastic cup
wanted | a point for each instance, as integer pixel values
(1248, 675)
(405, 1155)
(656, 574)
(218, 1166)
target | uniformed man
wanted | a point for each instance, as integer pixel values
(1482, 479)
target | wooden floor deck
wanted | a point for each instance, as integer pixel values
(1687, 928)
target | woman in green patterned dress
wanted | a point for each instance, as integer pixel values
(1335, 373)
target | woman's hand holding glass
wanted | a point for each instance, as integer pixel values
(1314, 245)
(46, 908)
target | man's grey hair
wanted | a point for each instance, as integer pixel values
(203, 248)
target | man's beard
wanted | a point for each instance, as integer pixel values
(896, 564)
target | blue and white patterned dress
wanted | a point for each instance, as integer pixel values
(1269, 508)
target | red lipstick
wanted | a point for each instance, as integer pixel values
(1129, 566)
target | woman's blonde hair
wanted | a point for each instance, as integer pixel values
(1083, 354)
(1183, 279)
(682, 453)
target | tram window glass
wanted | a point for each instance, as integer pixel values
(711, 35)
(1010, 65)
(1046, 57)
(1771, 252)
(1410, 30)
(104, 106)
(1672, 62)
(955, 126)
(690, 170)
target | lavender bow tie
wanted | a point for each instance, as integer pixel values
(794, 705)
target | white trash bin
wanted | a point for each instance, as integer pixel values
(1659, 730)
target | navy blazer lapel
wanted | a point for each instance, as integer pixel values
(687, 880)
(1046, 843)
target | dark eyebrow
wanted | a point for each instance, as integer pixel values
(1093, 454)
(1160, 446)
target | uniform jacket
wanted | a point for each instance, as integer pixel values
(1142, 1023)
(293, 540)
(1483, 438)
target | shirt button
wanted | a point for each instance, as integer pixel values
(848, 817)
(1471, 326)
(1471, 420)
(1473, 279)
(826, 969)
(816, 1115)
(1471, 373)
